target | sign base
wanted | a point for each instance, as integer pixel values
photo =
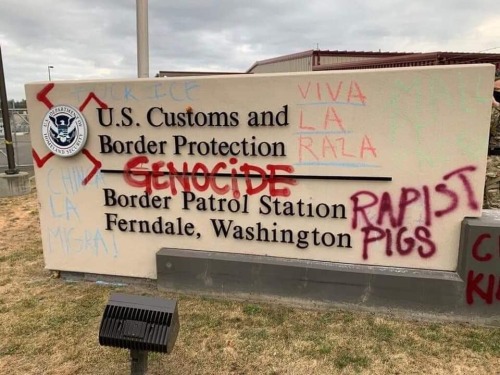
(424, 293)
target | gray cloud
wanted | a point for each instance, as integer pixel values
(97, 39)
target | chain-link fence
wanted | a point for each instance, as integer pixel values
(21, 140)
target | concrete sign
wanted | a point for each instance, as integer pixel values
(373, 167)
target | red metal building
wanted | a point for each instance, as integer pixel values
(312, 59)
(417, 59)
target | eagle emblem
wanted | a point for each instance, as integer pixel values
(64, 130)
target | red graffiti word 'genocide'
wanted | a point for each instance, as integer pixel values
(390, 215)
(201, 177)
(482, 252)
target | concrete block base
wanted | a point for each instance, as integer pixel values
(417, 292)
(14, 184)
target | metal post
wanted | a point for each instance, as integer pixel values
(139, 362)
(48, 68)
(142, 39)
(6, 122)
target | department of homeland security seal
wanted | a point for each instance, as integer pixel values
(64, 130)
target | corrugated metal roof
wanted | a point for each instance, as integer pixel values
(181, 73)
(281, 58)
(317, 54)
(417, 59)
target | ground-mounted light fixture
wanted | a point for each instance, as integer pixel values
(141, 324)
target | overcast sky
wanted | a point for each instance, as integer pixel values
(86, 39)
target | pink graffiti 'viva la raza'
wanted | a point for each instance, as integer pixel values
(386, 218)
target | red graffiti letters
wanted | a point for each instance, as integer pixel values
(484, 285)
(479, 256)
(475, 287)
(391, 219)
(139, 172)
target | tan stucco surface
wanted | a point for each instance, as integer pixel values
(423, 131)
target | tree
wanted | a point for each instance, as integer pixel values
(16, 104)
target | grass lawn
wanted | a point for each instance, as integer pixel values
(49, 326)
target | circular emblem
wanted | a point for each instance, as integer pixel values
(64, 130)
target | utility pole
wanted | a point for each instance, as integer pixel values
(9, 146)
(142, 39)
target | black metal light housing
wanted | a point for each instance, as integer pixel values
(141, 324)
